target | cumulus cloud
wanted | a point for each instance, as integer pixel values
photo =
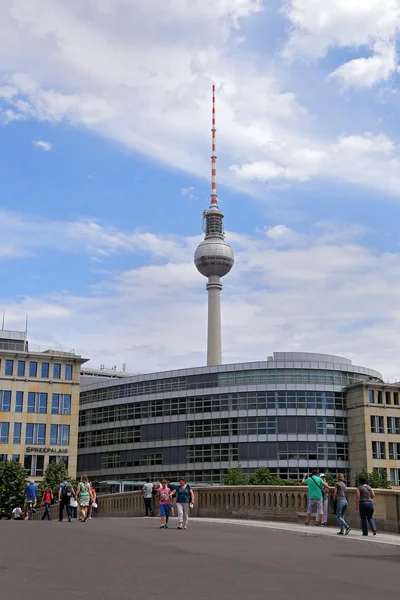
(322, 291)
(45, 146)
(366, 72)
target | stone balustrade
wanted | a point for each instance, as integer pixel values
(271, 503)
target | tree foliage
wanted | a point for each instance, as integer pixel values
(261, 476)
(53, 476)
(376, 479)
(12, 485)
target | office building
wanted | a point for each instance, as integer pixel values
(39, 404)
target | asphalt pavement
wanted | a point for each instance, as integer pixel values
(121, 559)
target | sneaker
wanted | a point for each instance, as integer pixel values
(323, 525)
(185, 527)
(180, 527)
(374, 532)
(69, 519)
(306, 524)
(348, 529)
(166, 527)
(90, 518)
(162, 527)
(340, 533)
(318, 524)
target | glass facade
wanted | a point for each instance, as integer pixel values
(288, 414)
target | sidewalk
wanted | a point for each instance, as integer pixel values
(381, 539)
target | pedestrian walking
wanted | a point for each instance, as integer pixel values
(65, 493)
(341, 503)
(365, 504)
(147, 490)
(325, 503)
(171, 487)
(184, 499)
(92, 499)
(83, 496)
(47, 499)
(315, 486)
(164, 497)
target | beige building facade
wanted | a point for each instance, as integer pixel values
(373, 420)
(39, 405)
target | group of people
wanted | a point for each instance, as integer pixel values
(69, 498)
(318, 502)
(166, 493)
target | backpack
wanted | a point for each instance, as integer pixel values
(67, 490)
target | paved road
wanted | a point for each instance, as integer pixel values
(131, 559)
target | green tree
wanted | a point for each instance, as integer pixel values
(288, 482)
(376, 479)
(53, 476)
(235, 476)
(263, 476)
(12, 485)
(330, 478)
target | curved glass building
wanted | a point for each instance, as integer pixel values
(287, 413)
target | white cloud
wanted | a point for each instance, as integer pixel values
(324, 291)
(45, 146)
(366, 72)
(366, 143)
(317, 26)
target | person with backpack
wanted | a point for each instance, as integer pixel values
(65, 493)
(184, 501)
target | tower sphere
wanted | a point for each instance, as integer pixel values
(214, 256)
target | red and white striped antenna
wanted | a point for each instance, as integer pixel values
(214, 196)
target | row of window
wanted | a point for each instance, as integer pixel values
(214, 403)
(37, 402)
(379, 450)
(377, 396)
(35, 433)
(21, 368)
(213, 428)
(34, 465)
(229, 452)
(377, 424)
(231, 378)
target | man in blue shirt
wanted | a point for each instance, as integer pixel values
(31, 493)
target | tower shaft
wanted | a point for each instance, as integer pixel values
(214, 337)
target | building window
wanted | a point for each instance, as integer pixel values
(45, 370)
(19, 402)
(3, 457)
(57, 371)
(59, 435)
(35, 433)
(9, 367)
(377, 425)
(5, 400)
(378, 450)
(32, 369)
(37, 402)
(21, 368)
(396, 398)
(393, 425)
(61, 404)
(388, 399)
(17, 433)
(4, 430)
(380, 398)
(68, 371)
(34, 465)
(15, 457)
(28, 463)
(395, 476)
(394, 450)
(372, 396)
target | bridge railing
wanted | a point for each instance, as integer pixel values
(271, 503)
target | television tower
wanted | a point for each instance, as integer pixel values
(214, 258)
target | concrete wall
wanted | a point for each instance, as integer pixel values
(270, 503)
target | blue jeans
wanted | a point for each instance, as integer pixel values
(366, 513)
(46, 512)
(341, 507)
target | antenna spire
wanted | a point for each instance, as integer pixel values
(214, 196)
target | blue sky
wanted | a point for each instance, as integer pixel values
(105, 172)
